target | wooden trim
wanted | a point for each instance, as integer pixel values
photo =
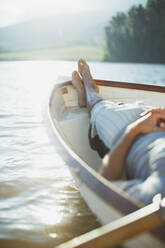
(120, 230)
(145, 87)
(125, 85)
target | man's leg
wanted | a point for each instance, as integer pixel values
(78, 84)
(87, 89)
(108, 119)
(91, 89)
(88, 96)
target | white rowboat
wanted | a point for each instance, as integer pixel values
(70, 128)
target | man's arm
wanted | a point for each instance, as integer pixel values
(113, 162)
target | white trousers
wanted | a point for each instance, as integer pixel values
(108, 119)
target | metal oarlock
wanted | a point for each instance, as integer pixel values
(161, 201)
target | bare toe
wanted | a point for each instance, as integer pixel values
(81, 64)
(75, 74)
(76, 79)
(84, 70)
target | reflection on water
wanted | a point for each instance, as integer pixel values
(39, 202)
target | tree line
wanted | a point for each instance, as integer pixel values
(137, 36)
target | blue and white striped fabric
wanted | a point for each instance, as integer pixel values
(108, 119)
(145, 162)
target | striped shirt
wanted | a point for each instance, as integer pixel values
(145, 162)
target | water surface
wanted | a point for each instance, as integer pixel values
(39, 201)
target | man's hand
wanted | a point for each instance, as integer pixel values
(150, 121)
(113, 163)
(156, 110)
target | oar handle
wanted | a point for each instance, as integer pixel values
(142, 220)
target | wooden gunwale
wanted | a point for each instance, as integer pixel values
(116, 84)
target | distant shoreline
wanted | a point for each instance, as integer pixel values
(70, 53)
(91, 53)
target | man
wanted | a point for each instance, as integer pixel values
(133, 133)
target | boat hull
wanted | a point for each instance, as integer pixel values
(103, 197)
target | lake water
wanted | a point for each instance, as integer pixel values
(39, 201)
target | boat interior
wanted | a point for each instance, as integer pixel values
(72, 121)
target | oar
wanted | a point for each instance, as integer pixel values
(118, 231)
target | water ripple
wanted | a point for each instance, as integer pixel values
(39, 202)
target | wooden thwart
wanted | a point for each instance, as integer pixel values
(145, 219)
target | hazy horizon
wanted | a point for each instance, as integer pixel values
(50, 29)
(21, 10)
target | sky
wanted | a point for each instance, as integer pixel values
(14, 11)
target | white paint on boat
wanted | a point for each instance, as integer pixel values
(70, 124)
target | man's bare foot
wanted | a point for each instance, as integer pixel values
(84, 70)
(78, 84)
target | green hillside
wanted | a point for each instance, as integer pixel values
(92, 53)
